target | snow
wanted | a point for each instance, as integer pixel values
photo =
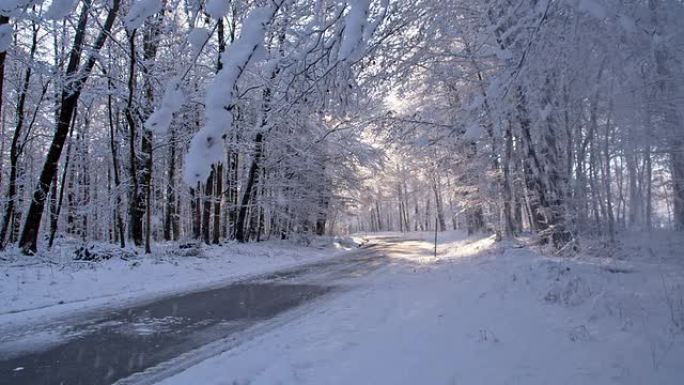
(479, 313)
(627, 24)
(60, 9)
(504, 54)
(37, 289)
(354, 25)
(475, 104)
(474, 131)
(5, 37)
(207, 146)
(140, 11)
(10, 7)
(197, 38)
(217, 8)
(593, 8)
(172, 101)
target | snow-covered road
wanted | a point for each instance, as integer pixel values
(479, 313)
(108, 345)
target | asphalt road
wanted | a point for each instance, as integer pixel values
(109, 345)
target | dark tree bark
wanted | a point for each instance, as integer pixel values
(240, 232)
(171, 217)
(150, 47)
(322, 219)
(60, 199)
(136, 210)
(218, 194)
(232, 195)
(54, 214)
(84, 178)
(115, 166)
(547, 193)
(3, 20)
(507, 184)
(147, 183)
(673, 119)
(196, 212)
(206, 206)
(536, 202)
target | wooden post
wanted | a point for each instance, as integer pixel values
(436, 237)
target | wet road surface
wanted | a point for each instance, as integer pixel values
(106, 347)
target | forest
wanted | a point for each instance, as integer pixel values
(147, 121)
(336, 192)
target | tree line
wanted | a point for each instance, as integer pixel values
(135, 122)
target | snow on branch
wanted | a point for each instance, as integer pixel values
(60, 9)
(172, 101)
(11, 7)
(593, 8)
(197, 38)
(141, 10)
(207, 147)
(217, 8)
(355, 23)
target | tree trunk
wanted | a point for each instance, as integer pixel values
(609, 199)
(136, 200)
(240, 231)
(3, 55)
(673, 122)
(507, 185)
(438, 204)
(60, 198)
(150, 36)
(218, 194)
(115, 166)
(196, 212)
(170, 219)
(232, 193)
(206, 206)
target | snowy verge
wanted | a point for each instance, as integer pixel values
(482, 313)
(35, 288)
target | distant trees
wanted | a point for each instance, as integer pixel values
(555, 117)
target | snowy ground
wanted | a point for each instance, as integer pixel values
(34, 289)
(482, 313)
